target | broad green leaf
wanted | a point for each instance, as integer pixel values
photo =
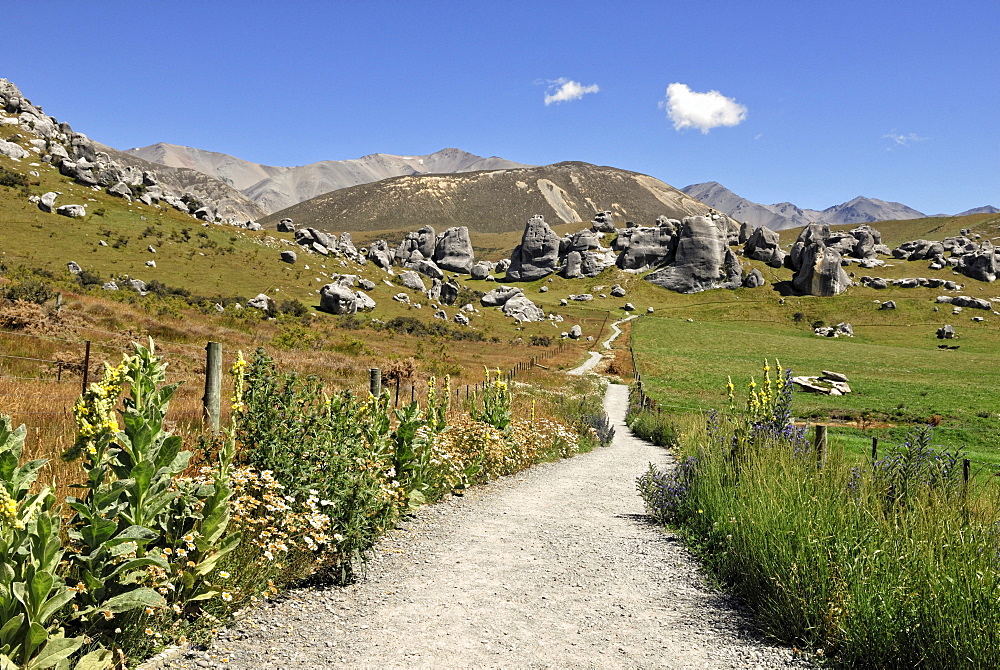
(209, 562)
(10, 627)
(130, 600)
(99, 659)
(41, 584)
(55, 650)
(7, 664)
(142, 473)
(35, 637)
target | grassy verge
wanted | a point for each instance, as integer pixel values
(886, 564)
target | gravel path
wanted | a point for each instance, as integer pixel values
(554, 567)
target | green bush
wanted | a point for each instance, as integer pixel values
(29, 290)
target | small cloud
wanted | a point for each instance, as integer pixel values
(704, 111)
(564, 90)
(900, 140)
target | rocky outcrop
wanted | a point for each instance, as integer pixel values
(499, 296)
(537, 255)
(980, 264)
(522, 309)
(820, 272)
(453, 250)
(264, 303)
(416, 246)
(411, 280)
(703, 259)
(644, 248)
(380, 254)
(764, 245)
(338, 299)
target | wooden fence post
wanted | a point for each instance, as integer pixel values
(820, 444)
(86, 365)
(212, 400)
(396, 401)
(375, 381)
(874, 451)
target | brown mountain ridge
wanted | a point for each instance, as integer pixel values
(494, 201)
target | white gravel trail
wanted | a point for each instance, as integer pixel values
(556, 567)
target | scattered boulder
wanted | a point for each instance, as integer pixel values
(980, 264)
(286, 226)
(499, 296)
(121, 190)
(840, 330)
(480, 270)
(629, 307)
(264, 303)
(288, 256)
(411, 280)
(427, 268)
(47, 201)
(366, 284)
(441, 314)
(110, 286)
(461, 319)
(379, 254)
(521, 308)
(820, 272)
(337, 299)
(74, 268)
(617, 291)
(364, 301)
(582, 297)
(946, 333)
(401, 297)
(576, 332)
(449, 293)
(754, 279)
(975, 303)
(603, 222)
(888, 304)
(72, 211)
(764, 245)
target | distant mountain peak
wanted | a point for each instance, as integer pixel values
(860, 209)
(273, 188)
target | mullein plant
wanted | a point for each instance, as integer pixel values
(33, 595)
(141, 537)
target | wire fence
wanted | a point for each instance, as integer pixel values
(639, 400)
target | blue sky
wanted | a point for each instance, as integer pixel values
(824, 100)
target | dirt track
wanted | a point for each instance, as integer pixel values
(555, 567)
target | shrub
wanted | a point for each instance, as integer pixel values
(13, 179)
(29, 290)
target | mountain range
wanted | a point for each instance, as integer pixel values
(274, 188)
(787, 215)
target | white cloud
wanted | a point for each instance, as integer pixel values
(901, 140)
(564, 90)
(704, 111)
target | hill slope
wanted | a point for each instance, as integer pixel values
(786, 215)
(274, 188)
(495, 200)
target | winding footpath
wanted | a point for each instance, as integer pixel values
(556, 567)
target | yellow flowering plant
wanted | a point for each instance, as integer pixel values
(141, 536)
(32, 591)
(493, 403)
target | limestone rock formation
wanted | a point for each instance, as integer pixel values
(338, 299)
(645, 248)
(765, 246)
(453, 250)
(499, 296)
(521, 308)
(820, 272)
(703, 259)
(538, 253)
